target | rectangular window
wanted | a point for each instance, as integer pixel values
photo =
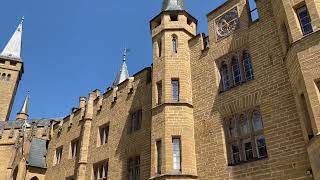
(74, 148)
(235, 154)
(134, 168)
(104, 133)
(245, 137)
(101, 170)
(305, 20)
(247, 146)
(254, 14)
(159, 156)
(159, 48)
(58, 155)
(175, 90)
(261, 147)
(135, 121)
(176, 154)
(159, 90)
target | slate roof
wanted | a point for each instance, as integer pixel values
(18, 124)
(38, 152)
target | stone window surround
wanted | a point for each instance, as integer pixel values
(100, 170)
(74, 148)
(303, 7)
(103, 134)
(135, 121)
(58, 155)
(5, 77)
(227, 60)
(252, 136)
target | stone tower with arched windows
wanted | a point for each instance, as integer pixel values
(11, 70)
(172, 110)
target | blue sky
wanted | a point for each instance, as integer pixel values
(71, 47)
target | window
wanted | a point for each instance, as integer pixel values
(249, 144)
(306, 116)
(104, 133)
(240, 72)
(175, 90)
(134, 168)
(176, 154)
(3, 76)
(174, 17)
(74, 148)
(8, 77)
(236, 71)
(318, 85)
(174, 44)
(159, 156)
(135, 121)
(101, 170)
(305, 20)
(254, 14)
(247, 66)
(159, 48)
(225, 76)
(159, 91)
(58, 155)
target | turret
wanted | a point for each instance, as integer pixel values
(11, 70)
(173, 144)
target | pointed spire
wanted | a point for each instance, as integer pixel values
(173, 5)
(24, 112)
(25, 106)
(123, 74)
(13, 47)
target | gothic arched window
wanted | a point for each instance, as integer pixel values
(225, 76)
(236, 71)
(257, 120)
(8, 77)
(247, 66)
(244, 124)
(3, 76)
(174, 44)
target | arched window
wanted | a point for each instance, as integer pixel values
(257, 120)
(34, 178)
(3, 76)
(174, 44)
(247, 66)
(244, 124)
(8, 77)
(225, 76)
(232, 128)
(236, 71)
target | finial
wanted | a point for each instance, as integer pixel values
(22, 19)
(125, 54)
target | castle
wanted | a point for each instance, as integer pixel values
(242, 102)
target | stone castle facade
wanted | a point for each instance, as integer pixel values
(242, 102)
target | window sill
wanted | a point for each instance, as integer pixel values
(246, 162)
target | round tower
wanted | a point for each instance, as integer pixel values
(173, 144)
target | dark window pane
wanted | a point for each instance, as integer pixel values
(175, 90)
(248, 151)
(262, 148)
(305, 20)
(235, 154)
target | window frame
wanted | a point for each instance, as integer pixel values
(58, 155)
(174, 42)
(302, 9)
(74, 148)
(253, 10)
(159, 156)
(159, 92)
(175, 90)
(236, 71)
(179, 166)
(97, 167)
(135, 123)
(133, 170)
(103, 134)
(242, 138)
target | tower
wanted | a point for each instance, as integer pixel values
(23, 114)
(172, 138)
(11, 70)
